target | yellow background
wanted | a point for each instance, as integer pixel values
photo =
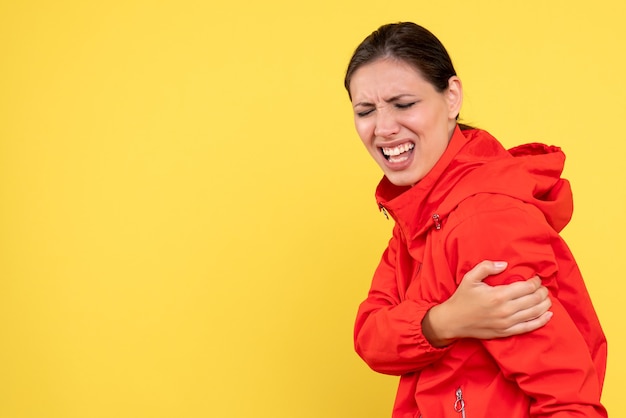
(187, 222)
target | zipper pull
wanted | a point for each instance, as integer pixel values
(459, 404)
(384, 211)
(437, 222)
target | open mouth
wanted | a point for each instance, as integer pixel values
(399, 153)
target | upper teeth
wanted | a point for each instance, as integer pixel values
(398, 149)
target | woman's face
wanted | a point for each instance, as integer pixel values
(403, 121)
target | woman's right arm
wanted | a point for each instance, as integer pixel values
(388, 330)
(397, 337)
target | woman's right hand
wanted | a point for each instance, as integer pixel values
(477, 310)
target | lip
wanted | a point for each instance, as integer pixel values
(392, 144)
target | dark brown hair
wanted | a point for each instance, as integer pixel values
(410, 43)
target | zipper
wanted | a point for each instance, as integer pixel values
(459, 404)
(437, 220)
(383, 210)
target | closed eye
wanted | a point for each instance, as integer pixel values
(404, 105)
(364, 113)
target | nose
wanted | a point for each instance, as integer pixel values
(386, 124)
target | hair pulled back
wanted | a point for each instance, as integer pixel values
(407, 42)
(410, 43)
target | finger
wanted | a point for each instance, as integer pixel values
(528, 326)
(534, 310)
(484, 269)
(530, 299)
(519, 289)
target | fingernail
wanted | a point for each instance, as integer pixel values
(500, 264)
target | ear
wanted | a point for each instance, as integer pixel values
(454, 96)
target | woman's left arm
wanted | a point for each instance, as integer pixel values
(561, 365)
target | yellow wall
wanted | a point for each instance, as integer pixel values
(186, 214)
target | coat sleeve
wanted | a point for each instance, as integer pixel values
(553, 364)
(388, 331)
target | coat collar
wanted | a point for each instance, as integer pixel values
(475, 162)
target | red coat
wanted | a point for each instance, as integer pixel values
(483, 202)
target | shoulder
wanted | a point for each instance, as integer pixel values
(491, 207)
(499, 227)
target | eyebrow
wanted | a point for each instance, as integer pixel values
(390, 100)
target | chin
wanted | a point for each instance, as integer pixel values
(402, 180)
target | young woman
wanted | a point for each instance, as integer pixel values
(458, 197)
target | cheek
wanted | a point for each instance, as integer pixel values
(363, 129)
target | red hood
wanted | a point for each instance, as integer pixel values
(475, 162)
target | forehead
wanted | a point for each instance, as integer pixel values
(387, 76)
